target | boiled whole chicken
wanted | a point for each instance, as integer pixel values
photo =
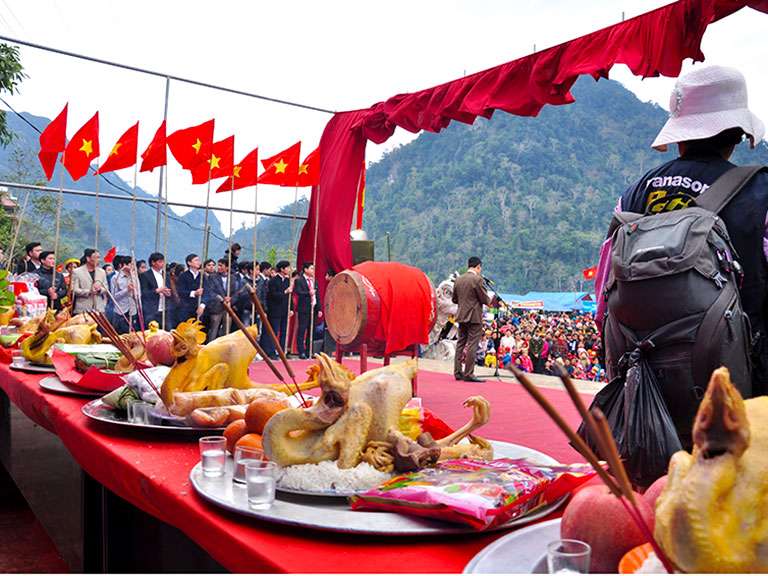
(713, 514)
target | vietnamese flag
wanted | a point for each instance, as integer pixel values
(244, 173)
(155, 154)
(309, 170)
(219, 162)
(52, 141)
(192, 146)
(589, 273)
(123, 154)
(83, 148)
(110, 255)
(282, 169)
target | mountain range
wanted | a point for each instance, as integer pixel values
(532, 196)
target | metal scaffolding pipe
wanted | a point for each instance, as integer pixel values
(37, 188)
(163, 75)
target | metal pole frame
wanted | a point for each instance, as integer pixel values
(150, 200)
(162, 170)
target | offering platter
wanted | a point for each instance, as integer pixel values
(53, 384)
(97, 410)
(320, 512)
(23, 365)
(521, 552)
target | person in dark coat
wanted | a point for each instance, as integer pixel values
(278, 296)
(308, 306)
(189, 289)
(45, 283)
(31, 261)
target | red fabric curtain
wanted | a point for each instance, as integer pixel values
(653, 44)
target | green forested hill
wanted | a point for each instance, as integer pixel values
(531, 196)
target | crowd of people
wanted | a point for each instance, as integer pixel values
(534, 341)
(134, 294)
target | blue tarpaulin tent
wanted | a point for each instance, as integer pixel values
(552, 301)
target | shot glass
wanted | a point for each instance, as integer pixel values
(245, 455)
(260, 480)
(568, 557)
(213, 455)
(138, 412)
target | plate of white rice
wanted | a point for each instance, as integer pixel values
(327, 479)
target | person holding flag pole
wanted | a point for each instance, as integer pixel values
(282, 169)
(244, 174)
(309, 175)
(192, 147)
(53, 140)
(78, 153)
(219, 164)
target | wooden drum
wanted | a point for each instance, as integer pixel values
(359, 303)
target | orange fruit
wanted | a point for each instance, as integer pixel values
(260, 411)
(250, 441)
(233, 432)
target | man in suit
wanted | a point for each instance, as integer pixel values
(308, 305)
(214, 294)
(153, 290)
(278, 295)
(89, 284)
(469, 293)
(189, 289)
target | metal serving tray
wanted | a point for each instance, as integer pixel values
(522, 552)
(333, 514)
(97, 410)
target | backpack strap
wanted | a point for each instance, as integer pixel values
(717, 196)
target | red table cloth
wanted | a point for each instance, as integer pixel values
(151, 470)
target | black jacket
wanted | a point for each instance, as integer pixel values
(301, 288)
(44, 278)
(150, 300)
(185, 285)
(277, 299)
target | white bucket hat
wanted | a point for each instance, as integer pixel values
(705, 102)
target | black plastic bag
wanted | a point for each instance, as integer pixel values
(650, 438)
(639, 421)
(610, 401)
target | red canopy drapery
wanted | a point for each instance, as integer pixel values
(652, 44)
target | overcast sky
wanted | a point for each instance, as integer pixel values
(331, 54)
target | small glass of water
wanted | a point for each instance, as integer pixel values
(138, 412)
(244, 455)
(568, 557)
(260, 479)
(213, 455)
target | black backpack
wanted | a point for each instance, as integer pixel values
(673, 316)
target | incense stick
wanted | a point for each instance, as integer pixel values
(257, 347)
(278, 347)
(619, 489)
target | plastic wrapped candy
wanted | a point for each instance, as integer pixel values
(482, 494)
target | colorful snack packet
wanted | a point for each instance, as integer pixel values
(481, 494)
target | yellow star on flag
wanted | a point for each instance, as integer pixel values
(87, 147)
(303, 169)
(236, 171)
(197, 145)
(115, 149)
(280, 167)
(214, 161)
